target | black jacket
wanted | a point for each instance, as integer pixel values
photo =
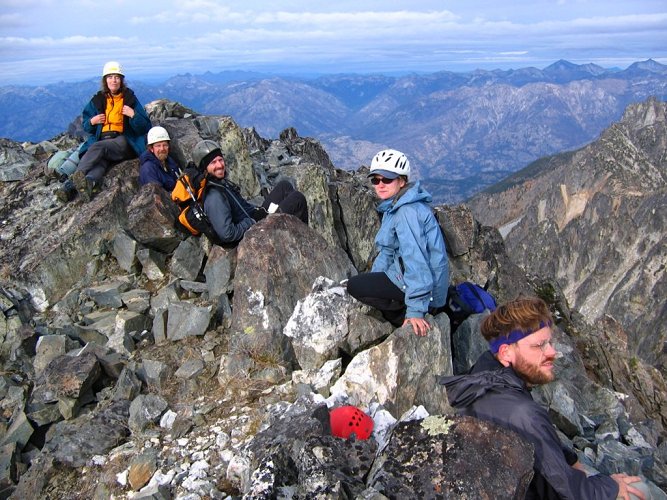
(496, 393)
(229, 213)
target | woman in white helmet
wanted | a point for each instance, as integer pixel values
(155, 164)
(410, 275)
(117, 124)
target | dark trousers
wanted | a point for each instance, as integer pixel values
(103, 154)
(378, 291)
(289, 200)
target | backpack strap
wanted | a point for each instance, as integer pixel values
(228, 188)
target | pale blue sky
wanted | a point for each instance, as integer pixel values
(43, 41)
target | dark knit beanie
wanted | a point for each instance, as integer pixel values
(209, 158)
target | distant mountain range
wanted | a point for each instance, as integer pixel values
(462, 131)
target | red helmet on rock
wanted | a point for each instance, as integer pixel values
(348, 420)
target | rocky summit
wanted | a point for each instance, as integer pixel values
(139, 362)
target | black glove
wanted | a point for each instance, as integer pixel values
(259, 214)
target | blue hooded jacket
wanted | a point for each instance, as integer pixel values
(134, 129)
(412, 250)
(152, 171)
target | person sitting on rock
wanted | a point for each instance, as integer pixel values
(155, 164)
(410, 275)
(117, 123)
(497, 389)
(228, 212)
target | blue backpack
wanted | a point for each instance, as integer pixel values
(465, 299)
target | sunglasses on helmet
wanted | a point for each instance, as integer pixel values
(377, 180)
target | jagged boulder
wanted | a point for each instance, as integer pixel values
(313, 182)
(277, 262)
(355, 220)
(430, 458)
(14, 161)
(305, 148)
(163, 111)
(61, 248)
(318, 325)
(69, 381)
(150, 219)
(468, 344)
(459, 227)
(323, 325)
(340, 210)
(401, 371)
(237, 157)
(73, 443)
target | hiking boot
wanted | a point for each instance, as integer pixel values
(66, 192)
(78, 178)
(92, 188)
(86, 186)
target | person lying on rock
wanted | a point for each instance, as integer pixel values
(228, 212)
(410, 275)
(155, 164)
(497, 388)
(117, 123)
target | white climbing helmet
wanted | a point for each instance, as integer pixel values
(112, 68)
(157, 134)
(390, 163)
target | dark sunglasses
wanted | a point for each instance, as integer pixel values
(377, 180)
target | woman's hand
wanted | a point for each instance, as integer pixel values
(419, 325)
(625, 486)
(128, 111)
(98, 119)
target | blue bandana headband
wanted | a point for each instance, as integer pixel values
(514, 336)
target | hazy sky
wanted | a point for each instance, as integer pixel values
(43, 41)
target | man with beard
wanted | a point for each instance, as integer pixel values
(155, 164)
(497, 388)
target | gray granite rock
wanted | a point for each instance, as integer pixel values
(124, 249)
(219, 271)
(190, 369)
(137, 300)
(153, 263)
(75, 442)
(48, 348)
(9, 459)
(150, 218)
(128, 385)
(145, 409)
(153, 373)
(187, 259)
(19, 432)
(187, 320)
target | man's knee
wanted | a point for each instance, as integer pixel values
(284, 186)
(295, 204)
